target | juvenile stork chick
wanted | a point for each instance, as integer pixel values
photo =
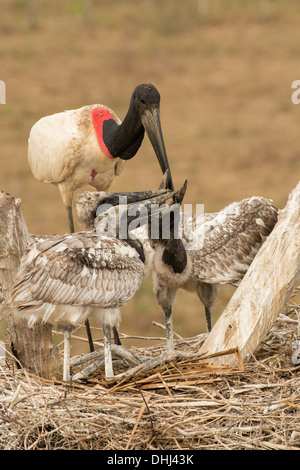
(221, 250)
(214, 249)
(63, 280)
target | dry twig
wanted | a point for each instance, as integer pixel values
(188, 404)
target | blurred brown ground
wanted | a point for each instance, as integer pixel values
(224, 70)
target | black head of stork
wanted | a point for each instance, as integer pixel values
(123, 140)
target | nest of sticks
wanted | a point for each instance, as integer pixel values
(180, 404)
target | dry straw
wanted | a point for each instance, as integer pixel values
(181, 404)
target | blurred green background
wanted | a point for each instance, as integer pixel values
(224, 69)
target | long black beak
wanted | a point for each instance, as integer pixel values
(155, 205)
(157, 196)
(148, 198)
(142, 207)
(151, 122)
(133, 206)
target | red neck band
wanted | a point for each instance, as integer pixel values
(99, 115)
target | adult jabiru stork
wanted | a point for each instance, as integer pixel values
(89, 145)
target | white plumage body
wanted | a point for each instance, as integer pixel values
(79, 270)
(62, 280)
(63, 149)
(226, 245)
(220, 248)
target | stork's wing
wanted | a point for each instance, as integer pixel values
(54, 147)
(57, 143)
(79, 269)
(226, 245)
(192, 223)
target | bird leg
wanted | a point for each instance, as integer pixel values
(116, 336)
(70, 217)
(169, 329)
(208, 318)
(89, 335)
(107, 351)
(67, 354)
(207, 294)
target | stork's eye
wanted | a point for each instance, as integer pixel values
(143, 101)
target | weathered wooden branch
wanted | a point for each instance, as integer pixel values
(264, 291)
(33, 347)
(96, 360)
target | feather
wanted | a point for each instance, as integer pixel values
(76, 270)
(220, 248)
